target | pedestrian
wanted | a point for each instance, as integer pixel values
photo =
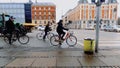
(10, 27)
(47, 29)
(60, 29)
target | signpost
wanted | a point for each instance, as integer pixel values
(98, 5)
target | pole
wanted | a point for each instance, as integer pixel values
(98, 4)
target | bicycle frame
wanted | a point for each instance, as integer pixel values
(56, 40)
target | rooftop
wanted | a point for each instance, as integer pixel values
(43, 4)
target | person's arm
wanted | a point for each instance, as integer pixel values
(64, 28)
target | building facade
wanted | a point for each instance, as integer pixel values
(14, 9)
(83, 16)
(43, 12)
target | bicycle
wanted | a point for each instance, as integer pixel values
(70, 39)
(41, 34)
(16, 35)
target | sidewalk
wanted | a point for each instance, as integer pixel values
(69, 59)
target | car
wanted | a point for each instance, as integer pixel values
(41, 28)
(90, 28)
(116, 29)
(108, 28)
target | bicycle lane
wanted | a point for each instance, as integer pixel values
(10, 52)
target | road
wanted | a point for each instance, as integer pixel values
(110, 39)
(8, 53)
(106, 39)
(35, 44)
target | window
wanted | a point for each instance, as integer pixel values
(35, 8)
(40, 13)
(44, 8)
(35, 13)
(44, 22)
(40, 22)
(84, 22)
(49, 8)
(44, 17)
(49, 17)
(49, 13)
(35, 22)
(40, 17)
(40, 8)
(35, 17)
(44, 13)
(89, 22)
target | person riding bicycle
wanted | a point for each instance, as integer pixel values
(47, 29)
(10, 27)
(60, 29)
(20, 28)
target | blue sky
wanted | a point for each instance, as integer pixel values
(62, 6)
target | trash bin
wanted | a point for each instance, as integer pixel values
(89, 46)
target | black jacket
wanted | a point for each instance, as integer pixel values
(9, 25)
(47, 28)
(60, 28)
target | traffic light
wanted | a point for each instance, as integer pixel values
(102, 0)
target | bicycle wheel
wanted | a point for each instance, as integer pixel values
(23, 39)
(7, 40)
(54, 40)
(49, 35)
(40, 36)
(71, 41)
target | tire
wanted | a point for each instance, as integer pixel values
(7, 40)
(71, 41)
(49, 35)
(40, 35)
(23, 39)
(54, 40)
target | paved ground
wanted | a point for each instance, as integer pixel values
(62, 58)
(39, 53)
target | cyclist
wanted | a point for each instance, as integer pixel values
(20, 28)
(47, 29)
(60, 29)
(10, 27)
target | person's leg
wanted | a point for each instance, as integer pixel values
(9, 37)
(44, 37)
(60, 38)
(63, 34)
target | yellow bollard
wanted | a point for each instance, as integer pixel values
(89, 46)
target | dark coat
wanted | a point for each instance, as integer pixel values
(10, 25)
(60, 28)
(47, 28)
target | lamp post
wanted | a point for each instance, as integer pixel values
(98, 5)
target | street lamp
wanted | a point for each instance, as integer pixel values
(98, 5)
